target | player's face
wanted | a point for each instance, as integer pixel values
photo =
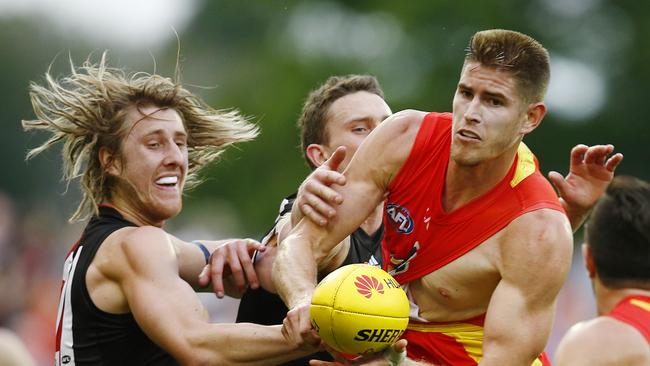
(351, 118)
(489, 115)
(155, 164)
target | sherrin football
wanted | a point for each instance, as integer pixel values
(359, 309)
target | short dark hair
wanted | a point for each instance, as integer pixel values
(312, 121)
(521, 55)
(618, 234)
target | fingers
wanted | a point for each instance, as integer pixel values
(204, 278)
(239, 254)
(316, 199)
(245, 253)
(217, 261)
(559, 182)
(297, 329)
(578, 154)
(334, 162)
(320, 196)
(597, 154)
(400, 345)
(396, 354)
(613, 162)
(235, 266)
(329, 177)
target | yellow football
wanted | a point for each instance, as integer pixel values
(359, 309)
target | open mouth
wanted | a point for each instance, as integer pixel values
(169, 181)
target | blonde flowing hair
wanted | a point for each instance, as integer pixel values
(86, 110)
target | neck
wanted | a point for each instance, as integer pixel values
(373, 222)
(131, 214)
(464, 183)
(607, 298)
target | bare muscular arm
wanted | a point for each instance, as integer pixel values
(367, 178)
(535, 258)
(145, 268)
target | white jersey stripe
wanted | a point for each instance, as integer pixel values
(65, 355)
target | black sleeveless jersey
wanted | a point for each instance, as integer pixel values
(87, 335)
(263, 307)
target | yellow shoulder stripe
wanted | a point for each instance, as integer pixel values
(642, 304)
(525, 164)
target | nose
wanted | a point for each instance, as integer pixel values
(174, 154)
(472, 113)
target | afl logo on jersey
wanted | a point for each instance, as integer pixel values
(400, 218)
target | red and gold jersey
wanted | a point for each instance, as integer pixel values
(419, 236)
(635, 311)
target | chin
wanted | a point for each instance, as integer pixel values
(466, 160)
(166, 211)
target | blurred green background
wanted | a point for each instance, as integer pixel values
(263, 57)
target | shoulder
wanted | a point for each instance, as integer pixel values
(540, 241)
(387, 147)
(402, 122)
(544, 229)
(133, 248)
(602, 341)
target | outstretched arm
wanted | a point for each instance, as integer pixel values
(145, 268)
(367, 178)
(590, 172)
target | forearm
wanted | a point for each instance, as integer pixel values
(244, 344)
(295, 270)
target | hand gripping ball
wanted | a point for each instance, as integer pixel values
(359, 309)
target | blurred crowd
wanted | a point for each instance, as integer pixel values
(34, 242)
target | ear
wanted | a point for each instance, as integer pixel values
(108, 161)
(589, 260)
(534, 115)
(317, 154)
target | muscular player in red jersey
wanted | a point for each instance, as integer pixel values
(499, 291)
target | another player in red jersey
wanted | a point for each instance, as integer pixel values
(617, 256)
(435, 172)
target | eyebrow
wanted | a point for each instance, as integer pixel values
(363, 119)
(160, 131)
(487, 93)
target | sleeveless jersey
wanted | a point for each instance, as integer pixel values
(85, 334)
(421, 238)
(262, 307)
(635, 311)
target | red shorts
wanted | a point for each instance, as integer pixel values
(451, 343)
